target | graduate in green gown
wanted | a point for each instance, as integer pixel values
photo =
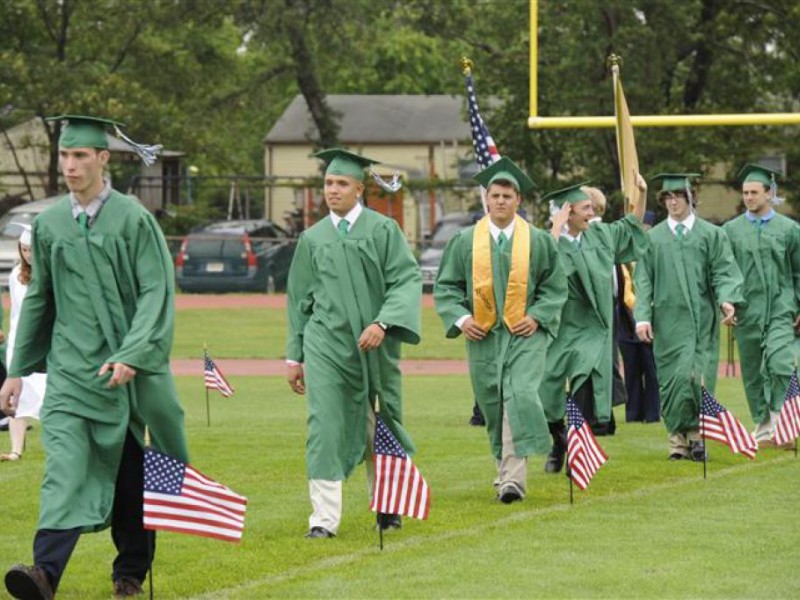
(501, 284)
(682, 283)
(583, 352)
(354, 295)
(98, 317)
(767, 248)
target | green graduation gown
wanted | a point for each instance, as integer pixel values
(584, 346)
(769, 259)
(506, 370)
(679, 288)
(336, 288)
(102, 297)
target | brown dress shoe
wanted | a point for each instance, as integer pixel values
(125, 587)
(28, 583)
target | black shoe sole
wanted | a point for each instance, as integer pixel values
(22, 586)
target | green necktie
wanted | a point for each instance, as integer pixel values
(343, 228)
(680, 228)
(502, 242)
(577, 242)
(83, 221)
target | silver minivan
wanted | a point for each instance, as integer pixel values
(10, 230)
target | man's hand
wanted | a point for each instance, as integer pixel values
(120, 373)
(9, 394)
(729, 314)
(560, 219)
(297, 379)
(472, 331)
(526, 328)
(2, 336)
(371, 337)
(644, 331)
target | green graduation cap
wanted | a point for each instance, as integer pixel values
(505, 170)
(753, 172)
(571, 194)
(344, 162)
(82, 131)
(675, 182)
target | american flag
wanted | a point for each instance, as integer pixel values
(179, 498)
(399, 487)
(214, 378)
(584, 454)
(485, 149)
(718, 423)
(787, 427)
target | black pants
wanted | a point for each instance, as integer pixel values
(584, 400)
(135, 545)
(641, 382)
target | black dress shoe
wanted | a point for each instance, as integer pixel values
(510, 493)
(28, 583)
(319, 532)
(697, 450)
(127, 587)
(677, 456)
(386, 521)
(477, 420)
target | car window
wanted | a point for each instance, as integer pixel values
(446, 230)
(215, 247)
(11, 223)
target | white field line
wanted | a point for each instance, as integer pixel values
(396, 545)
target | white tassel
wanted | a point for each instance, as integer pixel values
(148, 153)
(392, 187)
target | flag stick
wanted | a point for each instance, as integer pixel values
(566, 457)
(702, 430)
(150, 534)
(208, 403)
(377, 408)
(208, 410)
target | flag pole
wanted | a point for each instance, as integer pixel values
(150, 533)
(566, 458)
(377, 409)
(702, 431)
(208, 402)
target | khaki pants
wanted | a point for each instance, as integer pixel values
(326, 496)
(511, 469)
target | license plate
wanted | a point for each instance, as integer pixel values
(215, 267)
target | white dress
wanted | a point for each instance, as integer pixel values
(33, 386)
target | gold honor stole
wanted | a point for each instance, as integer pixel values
(483, 301)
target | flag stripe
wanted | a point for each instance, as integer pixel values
(230, 535)
(159, 500)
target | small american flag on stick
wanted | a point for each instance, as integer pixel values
(179, 498)
(718, 423)
(399, 487)
(787, 427)
(214, 378)
(584, 454)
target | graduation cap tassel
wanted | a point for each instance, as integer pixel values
(148, 153)
(392, 187)
(773, 191)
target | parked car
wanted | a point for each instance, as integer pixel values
(235, 256)
(10, 230)
(431, 256)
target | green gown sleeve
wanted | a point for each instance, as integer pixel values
(643, 284)
(629, 239)
(793, 251)
(300, 299)
(147, 344)
(726, 278)
(401, 309)
(450, 289)
(36, 320)
(550, 283)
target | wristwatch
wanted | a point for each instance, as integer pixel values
(383, 326)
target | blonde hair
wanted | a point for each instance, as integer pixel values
(598, 199)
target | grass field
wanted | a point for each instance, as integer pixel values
(260, 333)
(646, 528)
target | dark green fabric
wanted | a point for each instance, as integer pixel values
(337, 287)
(506, 370)
(98, 297)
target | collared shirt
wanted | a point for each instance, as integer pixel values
(350, 217)
(93, 208)
(755, 219)
(496, 231)
(688, 223)
(574, 239)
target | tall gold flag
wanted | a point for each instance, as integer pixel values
(626, 144)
